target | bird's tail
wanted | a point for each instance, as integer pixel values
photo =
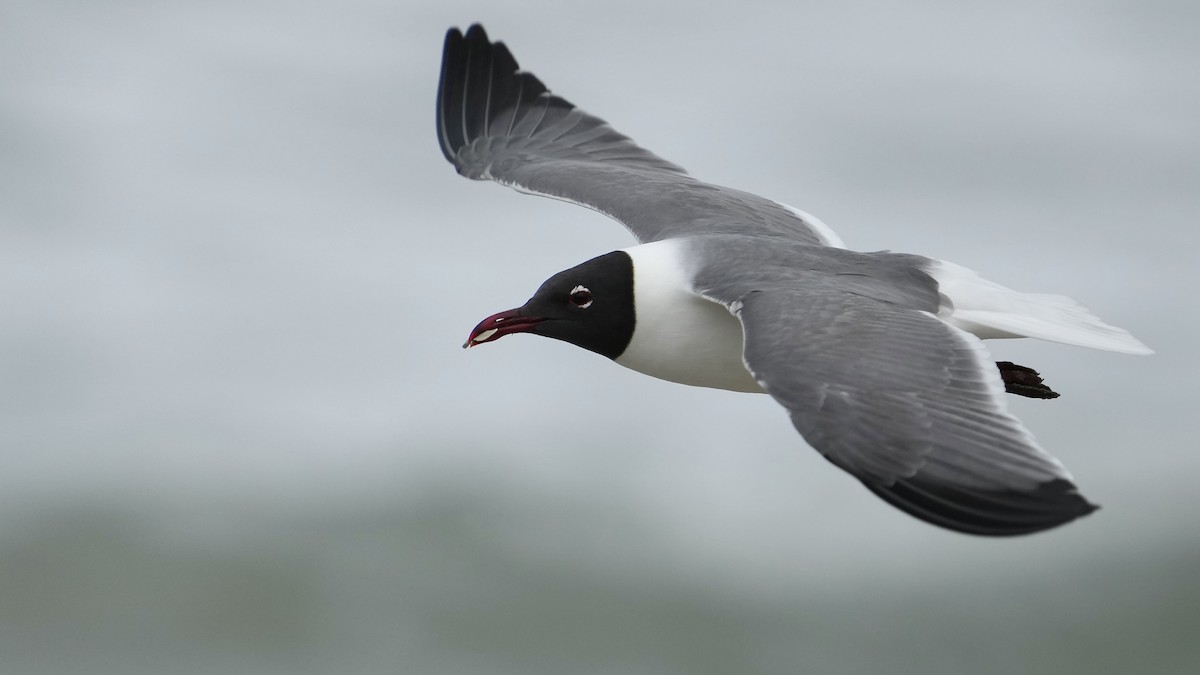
(989, 310)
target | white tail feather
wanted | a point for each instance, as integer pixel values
(989, 310)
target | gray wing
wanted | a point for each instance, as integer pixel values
(499, 123)
(910, 406)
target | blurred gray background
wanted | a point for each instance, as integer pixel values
(238, 434)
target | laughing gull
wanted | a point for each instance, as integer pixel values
(877, 357)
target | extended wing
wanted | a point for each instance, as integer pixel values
(911, 406)
(499, 123)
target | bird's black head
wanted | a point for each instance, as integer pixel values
(589, 305)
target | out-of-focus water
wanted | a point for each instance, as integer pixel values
(437, 586)
(237, 433)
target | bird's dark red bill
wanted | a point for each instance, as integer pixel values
(498, 325)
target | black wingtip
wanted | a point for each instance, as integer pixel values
(465, 79)
(449, 98)
(480, 89)
(988, 513)
(489, 109)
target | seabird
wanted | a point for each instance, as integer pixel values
(877, 357)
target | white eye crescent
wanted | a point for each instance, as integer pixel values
(581, 297)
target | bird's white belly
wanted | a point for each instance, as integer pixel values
(680, 336)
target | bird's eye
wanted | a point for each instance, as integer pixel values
(581, 297)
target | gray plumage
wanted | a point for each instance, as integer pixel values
(861, 349)
(850, 345)
(498, 123)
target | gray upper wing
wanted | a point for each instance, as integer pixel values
(910, 406)
(497, 122)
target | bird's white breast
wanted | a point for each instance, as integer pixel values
(678, 335)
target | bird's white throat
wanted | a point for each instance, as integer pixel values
(678, 335)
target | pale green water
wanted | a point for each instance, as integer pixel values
(434, 588)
